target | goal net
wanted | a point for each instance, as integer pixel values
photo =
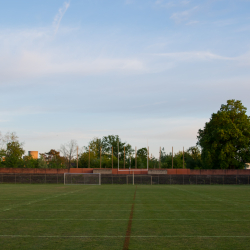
(82, 179)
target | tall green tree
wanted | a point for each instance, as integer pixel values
(14, 153)
(225, 139)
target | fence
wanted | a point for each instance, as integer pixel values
(128, 179)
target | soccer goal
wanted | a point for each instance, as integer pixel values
(82, 179)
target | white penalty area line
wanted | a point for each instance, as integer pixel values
(119, 236)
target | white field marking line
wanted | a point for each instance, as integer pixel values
(137, 204)
(204, 195)
(137, 210)
(172, 201)
(135, 236)
(38, 200)
(120, 220)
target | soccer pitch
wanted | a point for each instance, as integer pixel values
(124, 217)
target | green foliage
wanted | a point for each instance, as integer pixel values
(54, 160)
(30, 162)
(225, 139)
(193, 158)
(42, 163)
(14, 154)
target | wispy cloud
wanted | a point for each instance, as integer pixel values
(169, 4)
(194, 56)
(59, 15)
(181, 16)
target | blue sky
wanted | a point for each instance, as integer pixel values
(146, 70)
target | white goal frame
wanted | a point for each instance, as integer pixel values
(83, 174)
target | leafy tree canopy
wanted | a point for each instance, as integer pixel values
(225, 139)
(14, 154)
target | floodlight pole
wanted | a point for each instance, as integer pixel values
(147, 157)
(112, 157)
(77, 157)
(89, 157)
(135, 157)
(183, 157)
(160, 158)
(100, 157)
(124, 159)
(118, 153)
(172, 158)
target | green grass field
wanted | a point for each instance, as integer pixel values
(97, 217)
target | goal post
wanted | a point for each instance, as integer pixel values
(82, 179)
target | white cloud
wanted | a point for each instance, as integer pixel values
(59, 16)
(181, 16)
(170, 4)
(194, 56)
(36, 64)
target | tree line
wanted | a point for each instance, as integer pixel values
(223, 143)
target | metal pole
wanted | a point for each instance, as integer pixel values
(147, 158)
(112, 157)
(64, 178)
(118, 154)
(100, 157)
(160, 158)
(135, 157)
(124, 159)
(172, 158)
(77, 157)
(133, 177)
(89, 157)
(183, 157)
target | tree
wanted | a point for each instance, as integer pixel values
(193, 158)
(14, 154)
(69, 151)
(225, 139)
(53, 159)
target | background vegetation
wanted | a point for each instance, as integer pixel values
(223, 143)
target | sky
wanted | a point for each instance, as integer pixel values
(150, 71)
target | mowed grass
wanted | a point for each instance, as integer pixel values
(96, 217)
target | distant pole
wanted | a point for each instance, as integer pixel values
(100, 157)
(183, 157)
(118, 153)
(112, 157)
(135, 157)
(124, 159)
(89, 157)
(160, 158)
(172, 158)
(77, 156)
(147, 158)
